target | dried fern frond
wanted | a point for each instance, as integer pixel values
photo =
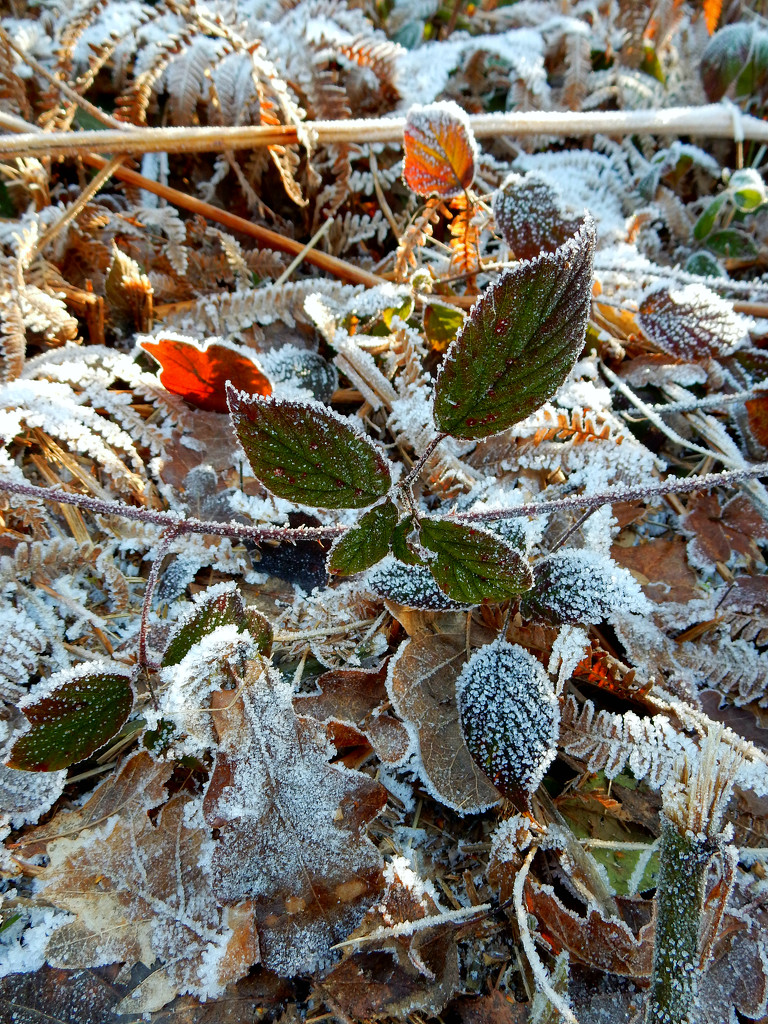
(465, 227)
(610, 742)
(415, 237)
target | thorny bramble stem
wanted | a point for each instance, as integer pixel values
(173, 520)
(419, 464)
(587, 501)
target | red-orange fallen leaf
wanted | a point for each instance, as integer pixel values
(198, 371)
(608, 945)
(712, 10)
(757, 418)
(438, 150)
(290, 825)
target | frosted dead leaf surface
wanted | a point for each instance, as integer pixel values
(584, 586)
(691, 321)
(509, 716)
(290, 825)
(411, 585)
(421, 685)
(141, 891)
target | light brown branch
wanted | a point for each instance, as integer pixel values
(711, 121)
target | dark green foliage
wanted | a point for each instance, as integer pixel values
(307, 453)
(73, 721)
(473, 565)
(365, 544)
(218, 606)
(528, 214)
(519, 343)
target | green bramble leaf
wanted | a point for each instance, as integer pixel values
(519, 342)
(306, 453)
(365, 544)
(221, 605)
(79, 711)
(509, 717)
(473, 565)
(402, 549)
(733, 244)
(706, 221)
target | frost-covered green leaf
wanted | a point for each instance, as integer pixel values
(403, 547)
(582, 586)
(307, 453)
(519, 342)
(472, 564)
(706, 221)
(509, 717)
(411, 585)
(218, 606)
(747, 189)
(366, 543)
(529, 216)
(71, 715)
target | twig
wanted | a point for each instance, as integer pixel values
(618, 494)
(539, 971)
(90, 190)
(712, 121)
(172, 520)
(290, 534)
(270, 239)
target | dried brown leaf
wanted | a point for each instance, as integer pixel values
(290, 825)
(422, 688)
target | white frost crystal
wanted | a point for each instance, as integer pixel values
(509, 716)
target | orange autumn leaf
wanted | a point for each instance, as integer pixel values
(439, 150)
(712, 10)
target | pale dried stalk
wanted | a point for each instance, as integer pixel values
(712, 121)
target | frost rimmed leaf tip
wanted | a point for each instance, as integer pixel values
(307, 453)
(509, 716)
(439, 150)
(519, 342)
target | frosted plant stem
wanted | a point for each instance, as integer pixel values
(162, 550)
(417, 467)
(680, 898)
(286, 533)
(539, 971)
(710, 121)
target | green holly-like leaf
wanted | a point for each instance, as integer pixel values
(80, 710)
(221, 605)
(366, 543)
(307, 453)
(471, 564)
(519, 341)
(509, 717)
